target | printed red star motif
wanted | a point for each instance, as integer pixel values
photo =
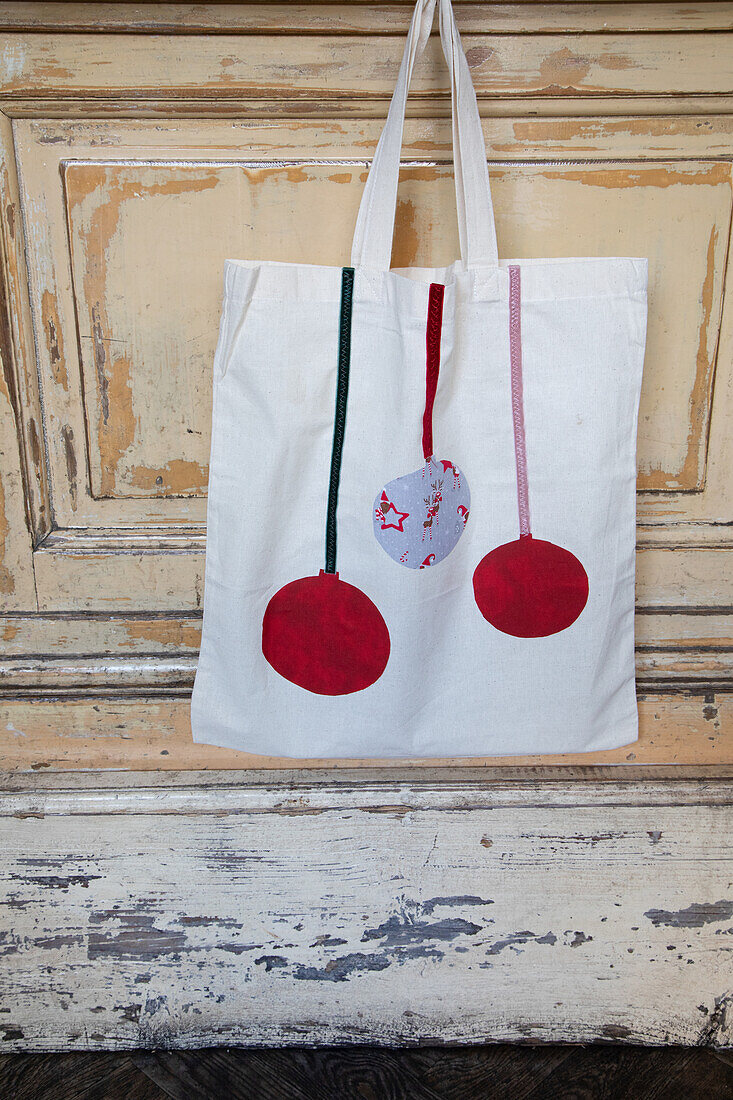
(386, 505)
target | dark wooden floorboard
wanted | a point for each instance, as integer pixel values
(498, 1072)
(102, 1076)
(356, 1073)
(638, 1073)
(725, 1055)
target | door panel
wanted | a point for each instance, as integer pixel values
(134, 164)
(126, 293)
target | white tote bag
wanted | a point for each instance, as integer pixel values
(421, 521)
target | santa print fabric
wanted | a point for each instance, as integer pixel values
(360, 600)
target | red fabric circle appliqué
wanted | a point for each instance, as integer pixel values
(325, 636)
(530, 588)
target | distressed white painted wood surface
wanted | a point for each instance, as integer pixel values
(346, 910)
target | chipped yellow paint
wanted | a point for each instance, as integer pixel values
(407, 235)
(7, 579)
(563, 71)
(115, 433)
(317, 72)
(699, 399)
(705, 365)
(178, 634)
(116, 422)
(67, 435)
(164, 433)
(24, 476)
(660, 176)
(177, 477)
(593, 135)
(54, 339)
(356, 18)
(156, 734)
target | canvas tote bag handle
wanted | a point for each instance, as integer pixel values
(374, 231)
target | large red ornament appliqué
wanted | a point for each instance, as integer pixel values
(325, 635)
(319, 632)
(528, 588)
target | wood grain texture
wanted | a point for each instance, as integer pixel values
(362, 18)
(145, 372)
(675, 669)
(502, 1071)
(334, 68)
(18, 350)
(147, 634)
(75, 1076)
(17, 591)
(565, 911)
(40, 735)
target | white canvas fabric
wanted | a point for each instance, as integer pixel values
(454, 685)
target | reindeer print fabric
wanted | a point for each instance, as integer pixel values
(436, 495)
(419, 518)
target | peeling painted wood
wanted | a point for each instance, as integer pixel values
(698, 136)
(691, 421)
(17, 591)
(147, 385)
(17, 348)
(67, 634)
(592, 913)
(292, 791)
(354, 67)
(145, 381)
(136, 544)
(673, 669)
(53, 734)
(166, 578)
(426, 108)
(372, 19)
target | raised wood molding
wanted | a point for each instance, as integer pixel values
(675, 669)
(635, 67)
(355, 17)
(294, 793)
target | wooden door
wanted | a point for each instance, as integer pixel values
(182, 893)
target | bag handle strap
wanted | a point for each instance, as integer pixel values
(372, 245)
(476, 226)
